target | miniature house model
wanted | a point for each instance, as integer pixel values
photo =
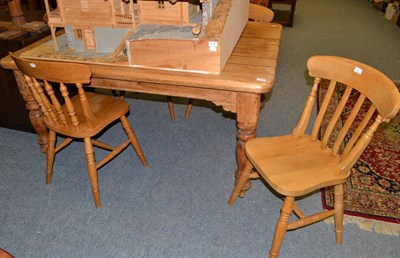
(191, 35)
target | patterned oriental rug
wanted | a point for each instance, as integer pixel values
(372, 197)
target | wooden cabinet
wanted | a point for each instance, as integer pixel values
(13, 113)
(283, 16)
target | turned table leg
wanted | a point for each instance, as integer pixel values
(248, 109)
(35, 114)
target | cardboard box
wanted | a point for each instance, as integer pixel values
(390, 11)
(170, 48)
(395, 17)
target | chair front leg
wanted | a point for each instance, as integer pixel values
(92, 171)
(281, 227)
(339, 208)
(134, 141)
(50, 153)
(244, 177)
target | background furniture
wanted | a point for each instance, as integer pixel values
(249, 73)
(284, 17)
(13, 113)
(294, 165)
(15, 35)
(83, 116)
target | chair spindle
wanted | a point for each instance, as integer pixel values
(359, 130)
(335, 117)
(322, 111)
(69, 105)
(347, 125)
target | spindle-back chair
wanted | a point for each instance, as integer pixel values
(297, 164)
(82, 116)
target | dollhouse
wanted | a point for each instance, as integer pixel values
(192, 35)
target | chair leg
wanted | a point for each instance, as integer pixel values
(50, 153)
(339, 208)
(244, 177)
(134, 141)
(122, 95)
(281, 227)
(92, 171)
(171, 108)
(188, 108)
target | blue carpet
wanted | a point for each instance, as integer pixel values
(177, 206)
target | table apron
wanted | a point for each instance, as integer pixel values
(228, 100)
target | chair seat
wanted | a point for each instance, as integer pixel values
(106, 109)
(294, 166)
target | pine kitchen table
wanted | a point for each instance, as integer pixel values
(248, 74)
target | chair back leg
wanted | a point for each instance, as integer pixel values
(171, 107)
(134, 141)
(188, 109)
(242, 180)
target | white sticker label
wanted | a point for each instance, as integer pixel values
(32, 65)
(213, 43)
(212, 46)
(358, 70)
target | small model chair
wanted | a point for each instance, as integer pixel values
(83, 116)
(299, 163)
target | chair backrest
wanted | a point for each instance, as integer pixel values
(260, 2)
(40, 75)
(378, 100)
(260, 13)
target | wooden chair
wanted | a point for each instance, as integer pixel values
(83, 116)
(299, 163)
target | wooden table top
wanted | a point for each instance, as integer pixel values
(251, 67)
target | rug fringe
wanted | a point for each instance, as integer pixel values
(379, 227)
